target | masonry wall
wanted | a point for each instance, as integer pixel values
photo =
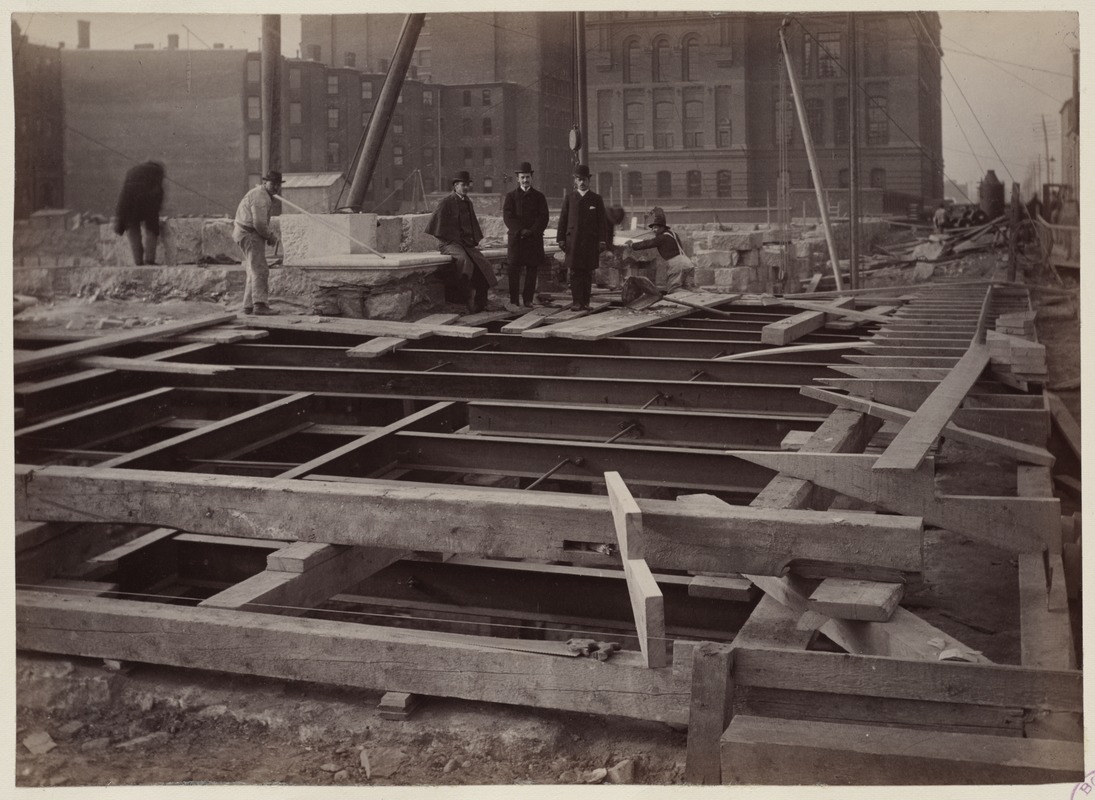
(126, 107)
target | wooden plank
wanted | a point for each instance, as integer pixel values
(1046, 634)
(849, 313)
(733, 588)
(363, 327)
(792, 752)
(789, 329)
(115, 555)
(1015, 524)
(300, 556)
(772, 625)
(363, 656)
(145, 365)
(996, 444)
(647, 603)
(224, 335)
(438, 319)
(902, 361)
(892, 373)
(709, 712)
(33, 359)
(551, 325)
(856, 600)
(80, 588)
(912, 443)
(530, 320)
(538, 525)
(937, 681)
(32, 534)
(374, 348)
(1065, 422)
(295, 593)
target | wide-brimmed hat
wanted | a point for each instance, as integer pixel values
(657, 218)
(581, 171)
(524, 166)
(273, 176)
(463, 176)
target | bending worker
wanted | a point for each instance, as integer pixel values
(251, 231)
(681, 271)
(139, 206)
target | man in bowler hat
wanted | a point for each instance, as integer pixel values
(584, 233)
(251, 231)
(139, 206)
(525, 212)
(455, 225)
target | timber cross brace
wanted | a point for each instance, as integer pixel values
(512, 483)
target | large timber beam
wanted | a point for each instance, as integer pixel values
(493, 523)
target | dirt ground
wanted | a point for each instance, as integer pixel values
(150, 725)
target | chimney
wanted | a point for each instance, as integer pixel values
(83, 34)
(172, 41)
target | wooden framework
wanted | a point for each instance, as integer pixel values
(341, 469)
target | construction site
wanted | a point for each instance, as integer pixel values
(813, 519)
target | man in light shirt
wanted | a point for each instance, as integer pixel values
(251, 231)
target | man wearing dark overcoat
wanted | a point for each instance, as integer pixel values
(455, 225)
(584, 233)
(139, 205)
(525, 213)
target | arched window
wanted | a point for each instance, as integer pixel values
(660, 71)
(694, 183)
(663, 110)
(665, 184)
(690, 59)
(631, 60)
(723, 183)
(693, 109)
(635, 184)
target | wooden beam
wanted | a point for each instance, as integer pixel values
(772, 625)
(647, 603)
(34, 359)
(146, 365)
(377, 347)
(1016, 524)
(850, 313)
(709, 711)
(364, 327)
(485, 522)
(995, 444)
(856, 600)
(787, 330)
(1065, 422)
(532, 319)
(364, 656)
(832, 753)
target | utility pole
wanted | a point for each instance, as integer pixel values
(853, 154)
(270, 66)
(811, 155)
(1045, 137)
(580, 71)
(385, 104)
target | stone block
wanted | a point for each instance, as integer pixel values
(771, 256)
(182, 240)
(415, 238)
(389, 234)
(705, 277)
(736, 240)
(311, 236)
(738, 279)
(715, 259)
(748, 258)
(494, 231)
(389, 305)
(218, 246)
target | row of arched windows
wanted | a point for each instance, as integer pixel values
(663, 184)
(663, 67)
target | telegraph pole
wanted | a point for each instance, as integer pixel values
(853, 154)
(580, 71)
(270, 65)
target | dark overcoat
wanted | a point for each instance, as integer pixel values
(141, 198)
(583, 226)
(526, 218)
(454, 223)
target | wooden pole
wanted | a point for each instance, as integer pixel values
(709, 713)
(853, 154)
(270, 65)
(580, 72)
(1013, 232)
(811, 155)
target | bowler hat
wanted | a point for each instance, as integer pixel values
(581, 171)
(524, 166)
(461, 177)
(657, 218)
(273, 176)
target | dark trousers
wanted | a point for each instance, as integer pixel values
(581, 286)
(529, 293)
(475, 291)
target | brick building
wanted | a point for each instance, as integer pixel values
(39, 125)
(690, 102)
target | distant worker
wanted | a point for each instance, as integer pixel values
(525, 212)
(939, 218)
(1034, 207)
(139, 205)
(584, 233)
(681, 271)
(454, 223)
(251, 231)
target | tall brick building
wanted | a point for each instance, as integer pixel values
(39, 125)
(690, 102)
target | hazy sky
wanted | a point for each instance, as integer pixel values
(1003, 70)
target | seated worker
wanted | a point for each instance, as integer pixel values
(454, 223)
(681, 272)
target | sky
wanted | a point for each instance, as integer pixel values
(1003, 72)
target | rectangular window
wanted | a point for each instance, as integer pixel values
(606, 141)
(486, 97)
(663, 141)
(316, 52)
(294, 78)
(332, 154)
(840, 121)
(399, 98)
(467, 97)
(469, 154)
(253, 70)
(693, 139)
(725, 136)
(633, 141)
(294, 114)
(332, 84)
(427, 97)
(397, 124)
(815, 118)
(878, 123)
(876, 61)
(809, 56)
(828, 54)
(366, 90)
(487, 126)
(397, 155)
(295, 150)
(254, 108)
(488, 157)
(254, 146)
(332, 118)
